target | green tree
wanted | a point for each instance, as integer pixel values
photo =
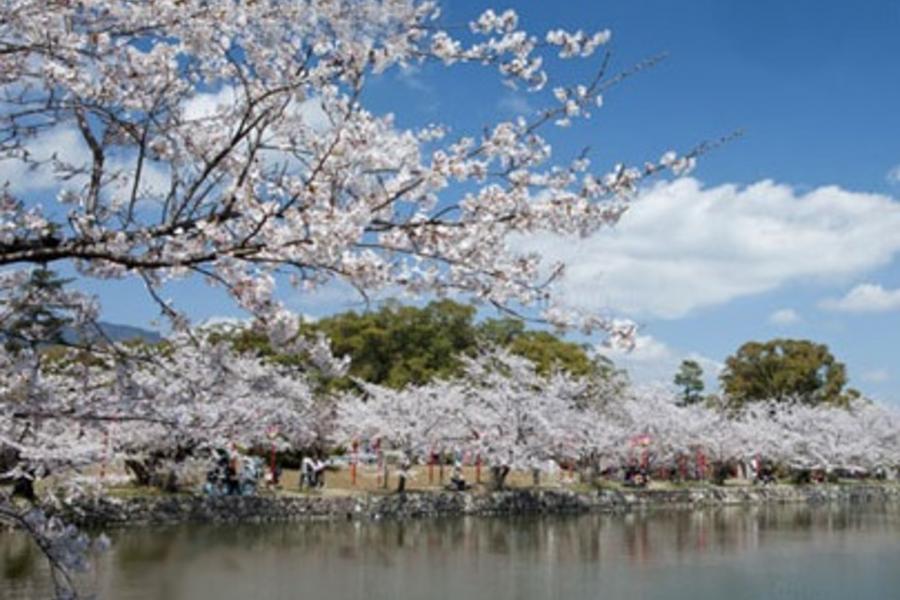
(785, 370)
(500, 332)
(690, 379)
(398, 345)
(548, 352)
(38, 316)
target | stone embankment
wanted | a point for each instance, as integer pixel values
(147, 510)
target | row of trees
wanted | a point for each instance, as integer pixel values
(160, 405)
(193, 394)
(505, 411)
(399, 345)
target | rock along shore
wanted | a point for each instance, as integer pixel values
(152, 510)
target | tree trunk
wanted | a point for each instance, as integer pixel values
(142, 474)
(24, 488)
(148, 474)
(498, 477)
(720, 472)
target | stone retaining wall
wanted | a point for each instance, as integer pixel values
(146, 510)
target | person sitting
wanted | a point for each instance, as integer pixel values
(635, 476)
(232, 483)
(457, 481)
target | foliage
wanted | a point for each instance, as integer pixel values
(785, 370)
(690, 379)
(548, 352)
(399, 345)
(38, 313)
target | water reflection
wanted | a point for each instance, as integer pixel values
(784, 551)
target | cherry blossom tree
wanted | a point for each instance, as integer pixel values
(862, 438)
(200, 396)
(522, 419)
(230, 140)
(501, 409)
(152, 411)
(414, 420)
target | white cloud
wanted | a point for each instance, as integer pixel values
(876, 376)
(228, 323)
(208, 105)
(411, 77)
(681, 246)
(516, 104)
(65, 143)
(313, 114)
(205, 106)
(866, 297)
(653, 361)
(334, 296)
(784, 316)
(893, 176)
(68, 147)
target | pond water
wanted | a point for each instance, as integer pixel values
(788, 552)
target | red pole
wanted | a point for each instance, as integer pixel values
(272, 464)
(353, 462)
(105, 453)
(379, 462)
(431, 467)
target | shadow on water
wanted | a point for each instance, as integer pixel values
(790, 552)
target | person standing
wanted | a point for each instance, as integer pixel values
(319, 471)
(403, 473)
(307, 473)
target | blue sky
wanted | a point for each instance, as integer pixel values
(708, 263)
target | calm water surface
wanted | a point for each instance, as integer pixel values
(735, 553)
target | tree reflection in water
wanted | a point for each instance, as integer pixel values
(502, 557)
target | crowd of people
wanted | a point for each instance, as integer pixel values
(232, 474)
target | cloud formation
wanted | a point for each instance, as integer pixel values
(65, 144)
(876, 376)
(683, 246)
(784, 316)
(893, 176)
(654, 361)
(866, 297)
(516, 104)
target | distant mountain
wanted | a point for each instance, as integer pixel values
(119, 333)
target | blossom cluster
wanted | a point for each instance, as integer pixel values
(503, 411)
(231, 141)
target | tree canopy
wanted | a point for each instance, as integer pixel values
(785, 370)
(398, 345)
(690, 379)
